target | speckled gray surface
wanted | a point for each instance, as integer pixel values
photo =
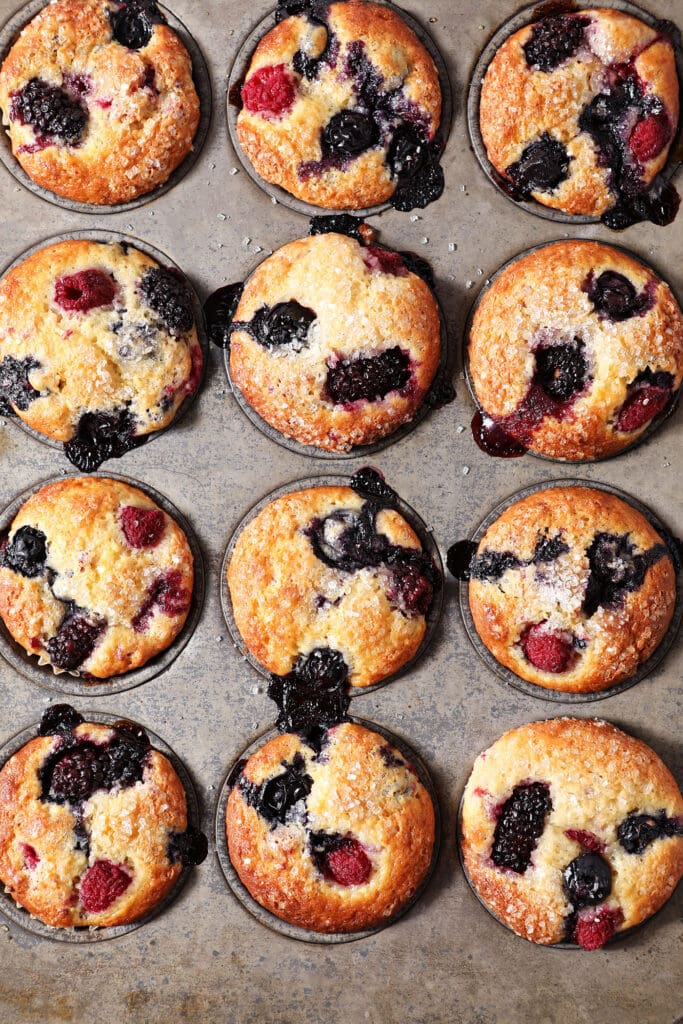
(205, 959)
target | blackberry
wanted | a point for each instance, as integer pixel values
(614, 297)
(49, 110)
(520, 825)
(100, 436)
(412, 582)
(492, 565)
(553, 40)
(286, 323)
(59, 720)
(349, 133)
(219, 310)
(368, 378)
(548, 549)
(26, 552)
(276, 798)
(561, 370)
(169, 296)
(75, 641)
(15, 390)
(132, 25)
(615, 570)
(314, 694)
(638, 831)
(543, 166)
(75, 775)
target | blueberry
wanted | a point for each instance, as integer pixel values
(314, 694)
(277, 797)
(347, 540)
(370, 483)
(190, 847)
(75, 640)
(368, 378)
(349, 133)
(49, 110)
(520, 825)
(408, 154)
(561, 370)
(26, 552)
(59, 720)
(553, 40)
(219, 309)
(587, 880)
(100, 436)
(286, 323)
(638, 831)
(459, 559)
(615, 570)
(168, 294)
(614, 297)
(340, 223)
(543, 165)
(132, 25)
(15, 390)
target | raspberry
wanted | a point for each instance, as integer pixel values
(88, 289)
(168, 595)
(102, 884)
(31, 858)
(384, 260)
(270, 91)
(142, 527)
(640, 407)
(587, 839)
(340, 859)
(595, 927)
(411, 589)
(520, 824)
(650, 136)
(547, 651)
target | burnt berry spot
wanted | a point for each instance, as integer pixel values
(314, 694)
(520, 825)
(543, 166)
(369, 378)
(190, 847)
(340, 223)
(219, 309)
(26, 552)
(349, 133)
(615, 570)
(638, 831)
(132, 25)
(75, 640)
(59, 720)
(49, 110)
(100, 436)
(85, 290)
(168, 294)
(370, 483)
(286, 323)
(614, 297)
(276, 799)
(561, 370)
(340, 859)
(15, 390)
(587, 880)
(553, 40)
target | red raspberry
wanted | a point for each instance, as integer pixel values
(547, 651)
(587, 839)
(142, 527)
(31, 858)
(649, 137)
(377, 258)
(168, 595)
(77, 293)
(348, 864)
(640, 407)
(596, 926)
(102, 884)
(270, 91)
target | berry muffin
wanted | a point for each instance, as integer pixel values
(99, 99)
(572, 589)
(573, 351)
(333, 343)
(98, 347)
(340, 106)
(571, 830)
(327, 579)
(334, 838)
(93, 823)
(578, 111)
(94, 578)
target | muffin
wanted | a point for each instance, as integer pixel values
(571, 830)
(333, 839)
(95, 579)
(93, 823)
(326, 575)
(578, 112)
(333, 343)
(572, 589)
(573, 351)
(98, 347)
(99, 99)
(340, 106)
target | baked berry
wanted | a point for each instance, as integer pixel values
(588, 840)
(340, 859)
(384, 260)
(370, 483)
(314, 693)
(543, 166)
(561, 370)
(219, 309)
(59, 720)
(168, 294)
(638, 831)
(408, 153)
(614, 297)
(85, 290)
(276, 798)
(416, 265)
(100, 436)
(132, 25)
(347, 540)
(615, 570)
(587, 880)
(142, 527)
(15, 390)
(102, 884)
(26, 552)
(650, 136)
(270, 91)
(75, 775)
(310, 67)
(520, 824)
(646, 396)
(553, 40)
(75, 641)
(339, 223)
(49, 110)
(190, 847)
(31, 858)
(389, 757)
(411, 590)
(349, 133)
(548, 651)
(369, 378)
(168, 595)
(125, 757)
(286, 323)
(548, 549)
(459, 559)
(595, 927)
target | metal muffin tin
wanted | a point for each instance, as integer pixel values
(202, 83)
(85, 934)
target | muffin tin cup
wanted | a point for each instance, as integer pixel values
(425, 537)
(533, 689)
(280, 195)
(66, 683)
(445, 370)
(202, 84)
(266, 917)
(86, 933)
(108, 238)
(653, 425)
(525, 16)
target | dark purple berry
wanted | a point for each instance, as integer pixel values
(408, 154)
(425, 187)
(561, 370)
(587, 880)
(340, 223)
(553, 40)
(391, 758)
(49, 110)
(59, 720)
(126, 756)
(75, 775)
(349, 133)
(459, 559)
(416, 265)
(314, 694)
(100, 436)
(412, 582)
(132, 25)
(75, 641)
(547, 548)
(276, 798)
(638, 831)
(168, 294)
(368, 378)
(340, 859)
(286, 323)
(312, 9)
(490, 566)
(219, 309)
(615, 570)
(26, 552)
(15, 390)
(543, 165)
(614, 297)
(190, 847)
(367, 80)
(347, 540)
(520, 825)
(370, 483)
